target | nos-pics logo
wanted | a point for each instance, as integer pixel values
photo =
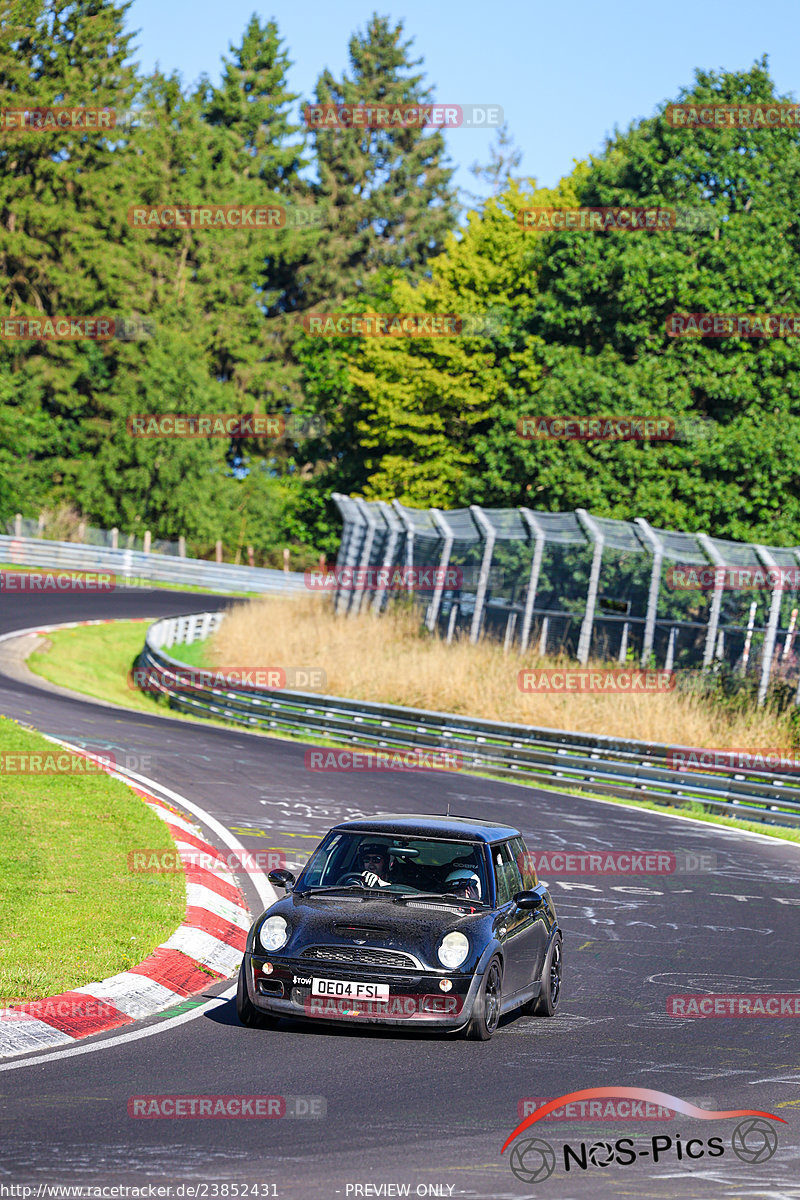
(533, 1160)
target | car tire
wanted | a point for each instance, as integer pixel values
(546, 1002)
(486, 1009)
(246, 1011)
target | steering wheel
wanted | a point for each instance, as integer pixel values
(351, 877)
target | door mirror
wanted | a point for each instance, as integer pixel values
(284, 879)
(534, 899)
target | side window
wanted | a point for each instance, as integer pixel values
(524, 860)
(506, 873)
(501, 881)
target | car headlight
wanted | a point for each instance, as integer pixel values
(453, 949)
(273, 933)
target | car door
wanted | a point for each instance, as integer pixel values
(526, 929)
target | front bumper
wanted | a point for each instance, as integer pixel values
(415, 998)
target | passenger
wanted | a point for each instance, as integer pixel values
(463, 883)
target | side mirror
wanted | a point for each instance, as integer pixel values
(284, 879)
(534, 899)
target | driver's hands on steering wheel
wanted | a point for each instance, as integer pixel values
(373, 880)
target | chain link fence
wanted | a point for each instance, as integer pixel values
(573, 583)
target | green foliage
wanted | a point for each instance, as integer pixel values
(570, 323)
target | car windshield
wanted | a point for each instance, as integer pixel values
(396, 865)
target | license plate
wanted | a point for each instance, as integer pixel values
(350, 989)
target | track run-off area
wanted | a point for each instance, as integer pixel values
(367, 1111)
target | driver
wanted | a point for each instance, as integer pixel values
(463, 883)
(373, 862)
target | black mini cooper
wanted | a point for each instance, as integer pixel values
(415, 921)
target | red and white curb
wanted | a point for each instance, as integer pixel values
(205, 948)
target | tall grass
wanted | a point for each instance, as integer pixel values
(390, 659)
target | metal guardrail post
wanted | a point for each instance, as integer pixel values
(772, 622)
(489, 533)
(358, 595)
(595, 535)
(533, 582)
(716, 602)
(648, 533)
(444, 561)
(409, 528)
(394, 526)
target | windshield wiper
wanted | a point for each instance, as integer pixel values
(461, 900)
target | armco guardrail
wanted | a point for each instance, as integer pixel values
(131, 566)
(615, 766)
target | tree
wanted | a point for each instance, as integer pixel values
(385, 192)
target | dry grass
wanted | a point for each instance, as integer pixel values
(388, 660)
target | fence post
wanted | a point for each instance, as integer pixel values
(536, 564)
(40, 526)
(772, 621)
(716, 603)
(147, 541)
(357, 597)
(595, 535)
(251, 555)
(655, 545)
(394, 526)
(446, 531)
(218, 551)
(115, 539)
(409, 528)
(181, 547)
(490, 534)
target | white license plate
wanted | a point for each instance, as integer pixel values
(346, 987)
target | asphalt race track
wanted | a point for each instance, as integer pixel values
(415, 1109)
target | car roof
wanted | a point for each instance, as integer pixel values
(460, 829)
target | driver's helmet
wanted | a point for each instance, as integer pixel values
(463, 882)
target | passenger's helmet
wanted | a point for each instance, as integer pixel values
(463, 882)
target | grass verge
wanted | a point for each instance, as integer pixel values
(71, 911)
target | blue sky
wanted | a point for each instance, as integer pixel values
(565, 74)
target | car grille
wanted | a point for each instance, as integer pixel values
(361, 957)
